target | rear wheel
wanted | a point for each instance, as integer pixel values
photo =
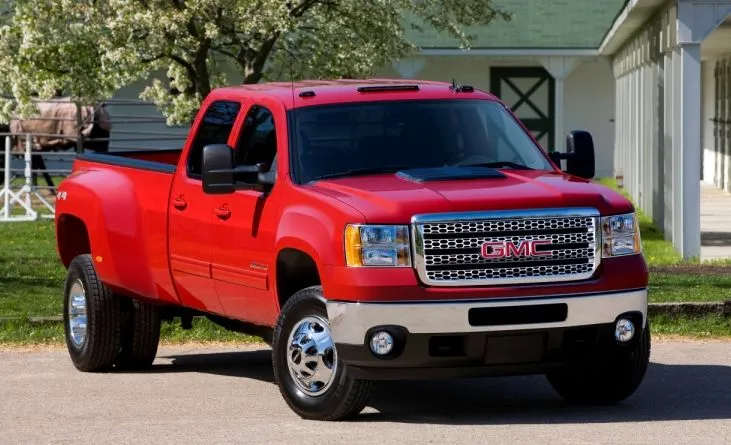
(140, 335)
(310, 376)
(92, 318)
(605, 383)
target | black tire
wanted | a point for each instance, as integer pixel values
(98, 350)
(607, 383)
(140, 335)
(345, 398)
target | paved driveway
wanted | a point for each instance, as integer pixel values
(216, 396)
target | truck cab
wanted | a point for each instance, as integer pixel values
(367, 230)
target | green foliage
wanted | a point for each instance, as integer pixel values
(90, 48)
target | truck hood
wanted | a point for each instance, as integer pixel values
(390, 198)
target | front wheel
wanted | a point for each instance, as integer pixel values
(310, 376)
(607, 383)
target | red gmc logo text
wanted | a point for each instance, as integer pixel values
(503, 249)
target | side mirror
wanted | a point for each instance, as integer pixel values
(218, 173)
(580, 148)
(579, 155)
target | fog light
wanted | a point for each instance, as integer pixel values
(624, 330)
(381, 343)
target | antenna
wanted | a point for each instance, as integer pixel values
(460, 88)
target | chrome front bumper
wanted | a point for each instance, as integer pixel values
(349, 322)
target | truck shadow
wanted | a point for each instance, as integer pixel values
(255, 364)
(669, 392)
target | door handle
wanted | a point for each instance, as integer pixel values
(180, 203)
(222, 212)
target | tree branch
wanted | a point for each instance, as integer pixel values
(303, 7)
(260, 60)
(182, 62)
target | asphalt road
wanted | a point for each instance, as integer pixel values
(196, 395)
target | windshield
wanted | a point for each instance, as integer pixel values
(367, 137)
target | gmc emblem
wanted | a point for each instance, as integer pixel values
(504, 249)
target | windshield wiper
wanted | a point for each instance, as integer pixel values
(497, 165)
(363, 171)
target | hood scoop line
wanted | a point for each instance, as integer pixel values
(449, 174)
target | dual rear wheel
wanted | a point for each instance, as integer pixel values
(103, 330)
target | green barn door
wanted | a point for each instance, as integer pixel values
(530, 93)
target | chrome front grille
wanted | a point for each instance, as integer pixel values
(450, 248)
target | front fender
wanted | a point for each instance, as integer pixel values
(309, 230)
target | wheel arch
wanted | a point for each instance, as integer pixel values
(295, 270)
(72, 238)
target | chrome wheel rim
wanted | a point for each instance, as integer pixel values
(311, 356)
(77, 314)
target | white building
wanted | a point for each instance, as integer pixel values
(673, 93)
(650, 79)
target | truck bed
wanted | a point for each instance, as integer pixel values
(123, 198)
(164, 161)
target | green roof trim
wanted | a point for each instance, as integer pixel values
(536, 24)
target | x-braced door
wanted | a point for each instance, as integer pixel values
(530, 93)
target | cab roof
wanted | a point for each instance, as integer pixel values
(321, 92)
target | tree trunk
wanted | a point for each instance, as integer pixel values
(203, 84)
(254, 64)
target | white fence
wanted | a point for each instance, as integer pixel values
(30, 177)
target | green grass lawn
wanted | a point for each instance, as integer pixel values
(31, 275)
(668, 287)
(31, 283)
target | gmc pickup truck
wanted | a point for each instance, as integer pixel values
(366, 230)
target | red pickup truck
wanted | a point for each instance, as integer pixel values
(366, 230)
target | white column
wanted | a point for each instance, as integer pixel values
(559, 68)
(668, 126)
(558, 117)
(634, 145)
(689, 153)
(640, 137)
(628, 174)
(619, 117)
(627, 117)
(677, 158)
(626, 126)
(647, 148)
(695, 21)
(659, 140)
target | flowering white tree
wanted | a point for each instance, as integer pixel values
(90, 48)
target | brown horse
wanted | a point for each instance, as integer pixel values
(55, 128)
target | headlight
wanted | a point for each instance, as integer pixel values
(620, 235)
(368, 245)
